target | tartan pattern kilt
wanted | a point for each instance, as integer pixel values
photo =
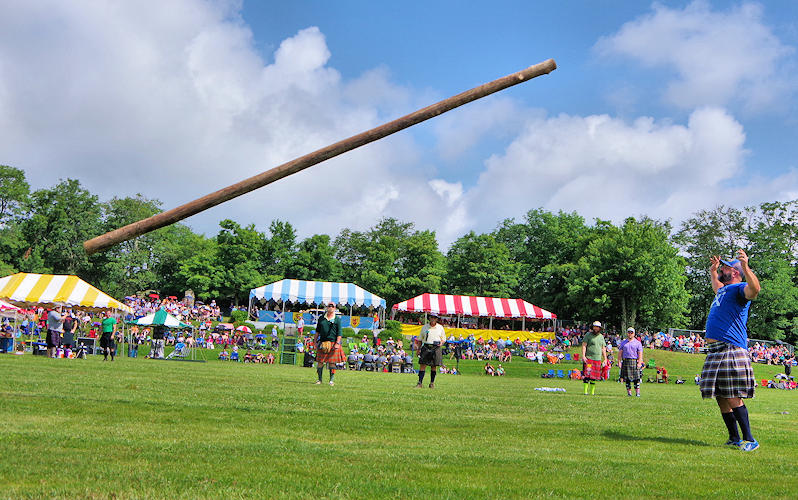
(630, 371)
(591, 369)
(727, 372)
(336, 355)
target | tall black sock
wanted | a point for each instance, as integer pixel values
(731, 424)
(420, 376)
(432, 376)
(741, 414)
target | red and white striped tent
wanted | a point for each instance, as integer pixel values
(473, 306)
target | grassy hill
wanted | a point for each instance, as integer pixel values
(139, 428)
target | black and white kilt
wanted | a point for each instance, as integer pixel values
(430, 355)
(727, 372)
(630, 371)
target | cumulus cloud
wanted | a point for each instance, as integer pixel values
(608, 168)
(718, 57)
(173, 100)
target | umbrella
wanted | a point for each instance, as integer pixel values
(226, 326)
(153, 296)
(244, 328)
(171, 297)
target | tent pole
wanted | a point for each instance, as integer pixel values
(490, 323)
(523, 323)
(283, 310)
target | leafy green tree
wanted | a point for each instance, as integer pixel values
(130, 266)
(391, 259)
(480, 265)
(315, 260)
(545, 245)
(57, 222)
(631, 274)
(279, 250)
(14, 192)
(198, 270)
(236, 260)
(421, 266)
(773, 238)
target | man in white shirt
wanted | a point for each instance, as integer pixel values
(430, 351)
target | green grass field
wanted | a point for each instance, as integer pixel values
(138, 428)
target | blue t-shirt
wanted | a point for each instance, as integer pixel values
(728, 316)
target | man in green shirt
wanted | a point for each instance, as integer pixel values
(594, 356)
(107, 339)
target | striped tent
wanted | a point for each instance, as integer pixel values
(160, 317)
(47, 290)
(473, 306)
(316, 292)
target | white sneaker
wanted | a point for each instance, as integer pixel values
(332, 383)
(318, 382)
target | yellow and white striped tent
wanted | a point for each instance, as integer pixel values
(34, 290)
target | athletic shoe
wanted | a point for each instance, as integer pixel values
(638, 395)
(749, 445)
(731, 442)
(432, 386)
(418, 386)
(332, 383)
(318, 382)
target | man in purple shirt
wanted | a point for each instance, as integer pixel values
(631, 353)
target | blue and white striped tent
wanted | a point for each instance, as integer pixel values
(316, 292)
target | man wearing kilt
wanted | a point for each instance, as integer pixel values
(594, 355)
(430, 352)
(328, 343)
(727, 375)
(631, 353)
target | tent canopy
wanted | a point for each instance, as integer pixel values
(48, 290)
(160, 317)
(473, 306)
(316, 292)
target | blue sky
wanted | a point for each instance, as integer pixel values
(658, 109)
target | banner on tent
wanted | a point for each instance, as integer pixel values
(361, 322)
(415, 330)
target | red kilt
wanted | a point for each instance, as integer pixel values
(336, 355)
(591, 370)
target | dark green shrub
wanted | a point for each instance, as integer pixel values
(239, 316)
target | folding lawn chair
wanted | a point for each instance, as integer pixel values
(560, 374)
(567, 356)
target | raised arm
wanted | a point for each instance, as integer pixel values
(752, 287)
(713, 272)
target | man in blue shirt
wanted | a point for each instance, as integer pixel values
(727, 375)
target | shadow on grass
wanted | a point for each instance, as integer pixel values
(619, 436)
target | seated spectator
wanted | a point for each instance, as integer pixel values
(248, 358)
(270, 359)
(489, 369)
(234, 356)
(499, 370)
(259, 358)
(224, 355)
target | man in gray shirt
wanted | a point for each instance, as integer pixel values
(55, 327)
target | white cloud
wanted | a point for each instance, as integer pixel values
(608, 168)
(719, 57)
(174, 101)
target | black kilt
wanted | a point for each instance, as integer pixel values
(430, 355)
(107, 341)
(727, 372)
(630, 371)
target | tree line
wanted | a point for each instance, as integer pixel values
(642, 272)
